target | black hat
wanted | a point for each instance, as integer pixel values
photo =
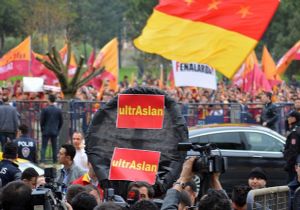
(295, 114)
(10, 150)
(258, 172)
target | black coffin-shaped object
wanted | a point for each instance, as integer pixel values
(103, 136)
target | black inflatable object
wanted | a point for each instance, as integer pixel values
(102, 136)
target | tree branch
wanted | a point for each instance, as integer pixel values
(78, 71)
(89, 77)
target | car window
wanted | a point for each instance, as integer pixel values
(199, 139)
(263, 142)
(229, 140)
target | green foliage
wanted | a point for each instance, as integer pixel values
(10, 20)
(284, 32)
(92, 23)
(137, 14)
(97, 21)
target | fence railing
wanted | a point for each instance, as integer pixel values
(271, 198)
(78, 114)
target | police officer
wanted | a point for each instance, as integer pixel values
(292, 145)
(26, 145)
(269, 115)
(9, 170)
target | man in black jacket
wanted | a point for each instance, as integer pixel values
(51, 123)
(292, 145)
(269, 115)
(9, 170)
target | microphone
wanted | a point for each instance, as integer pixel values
(133, 196)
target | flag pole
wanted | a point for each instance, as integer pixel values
(30, 58)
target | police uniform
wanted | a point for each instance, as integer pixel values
(9, 172)
(26, 148)
(292, 146)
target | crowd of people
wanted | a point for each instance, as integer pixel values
(79, 182)
(226, 92)
(203, 102)
(83, 191)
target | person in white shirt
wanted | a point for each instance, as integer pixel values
(80, 158)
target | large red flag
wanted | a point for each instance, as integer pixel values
(16, 62)
(218, 33)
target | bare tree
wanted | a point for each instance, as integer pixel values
(69, 86)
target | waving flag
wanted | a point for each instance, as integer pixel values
(239, 78)
(64, 56)
(256, 81)
(297, 57)
(16, 62)
(219, 33)
(269, 68)
(39, 70)
(107, 58)
(288, 57)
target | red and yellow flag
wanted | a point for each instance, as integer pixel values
(108, 58)
(269, 68)
(219, 33)
(64, 56)
(16, 62)
(287, 59)
(240, 78)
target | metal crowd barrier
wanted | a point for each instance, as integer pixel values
(78, 114)
(271, 198)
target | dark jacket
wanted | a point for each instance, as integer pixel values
(292, 147)
(171, 200)
(9, 120)
(293, 185)
(26, 148)
(9, 172)
(270, 115)
(51, 120)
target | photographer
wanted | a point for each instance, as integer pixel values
(208, 201)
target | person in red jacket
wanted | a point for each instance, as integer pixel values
(90, 178)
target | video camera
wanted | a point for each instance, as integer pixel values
(205, 162)
(49, 196)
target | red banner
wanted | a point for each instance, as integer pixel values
(134, 165)
(16, 62)
(140, 111)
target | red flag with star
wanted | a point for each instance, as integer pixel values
(219, 33)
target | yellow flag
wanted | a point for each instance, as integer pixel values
(108, 58)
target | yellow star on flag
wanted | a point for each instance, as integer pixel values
(244, 11)
(214, 5)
